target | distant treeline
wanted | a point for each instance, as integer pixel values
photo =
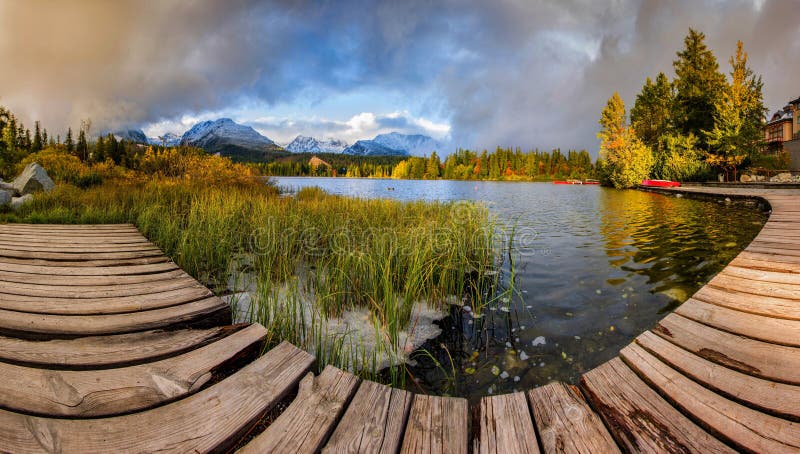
(501, 164)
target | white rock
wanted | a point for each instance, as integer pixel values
(34, 178)
(5, 197)
(539, 341)
(17, 202)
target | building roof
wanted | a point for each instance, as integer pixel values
(796, 101)
(780, 115)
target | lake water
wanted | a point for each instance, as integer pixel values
(595, 267)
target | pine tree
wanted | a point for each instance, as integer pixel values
(45, 138)
(99, 154)
(68, 141)
(432, 169)
(624, 160)
(37, 137)
(737, 128)
(698, 85)
(651, 113)
(82, 147)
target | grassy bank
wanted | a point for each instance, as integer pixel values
(306, 259)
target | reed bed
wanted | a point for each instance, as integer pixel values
(305, 259)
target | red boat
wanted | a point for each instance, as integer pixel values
(568, 182)
(660, 183)
(591, 182)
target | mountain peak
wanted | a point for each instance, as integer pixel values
(228, 138)
(306, 144)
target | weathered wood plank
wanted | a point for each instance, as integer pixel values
(89, 270)
(306, 424)
(773, 330)
(209, 421)
(65, 292)
(638, 418)
(195, 313)
(750, 356)
(566, 423)
(70, 247)
(437, 425)
(70, 226)
(729, 282)
(374, 421)
(762, 275)
(84, 281)
(777, 398)
(746, 260)
(505, 426)
(74, 256)
(73, 305)
(748, 302)
(746, 428)
(98, 352)
(34, 239)
(85, 263)
(121, 390)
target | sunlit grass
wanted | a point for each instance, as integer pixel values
(340, 254)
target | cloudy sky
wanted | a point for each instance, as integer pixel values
(474, 73)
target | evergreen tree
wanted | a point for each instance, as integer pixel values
(82, 147)
(624, 160)
(45, 138)
(739, 112)
(68, 141)
(99, 154)
(651, 113)
(37, 138)
(432, 169)
(698, 85)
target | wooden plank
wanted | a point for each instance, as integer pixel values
(762, 275)
(10, 253)
(374, 421)
(437, 425)
(744, 427)
(729, 282)
(306, 424)
(84, 263)
(89, 270)
(783, 252)
(777, 398)
(746, 260)
(99, 352)
(638, 418)
(209, 421)
(197, 313)
(773, 330)
(748, 302)
(566, 423)
(93, 393)
(70, 247)
(505, 426)
(750, 356)
(779, 259)
(83, 281)
(69, 226)
(73, 305)
(34, 239)
(63, 292)
(53, 232)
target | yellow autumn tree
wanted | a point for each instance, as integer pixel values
(624, 160)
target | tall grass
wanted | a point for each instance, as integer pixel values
(340, 255)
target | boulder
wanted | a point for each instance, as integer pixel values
(5, 197)
(34, 178)
(784, 177)
(17, 202)
(745, 178)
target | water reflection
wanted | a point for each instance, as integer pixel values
(595, 268)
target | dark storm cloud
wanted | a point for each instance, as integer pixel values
(508, 72)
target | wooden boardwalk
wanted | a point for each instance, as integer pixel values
(107, 346)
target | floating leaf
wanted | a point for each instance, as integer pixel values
(495, 370)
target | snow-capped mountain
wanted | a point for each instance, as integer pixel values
(413, 144)
(229, 138)
(131, 135)
(372, 148)
(395, 144)
(167, 140)
(305, 144)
